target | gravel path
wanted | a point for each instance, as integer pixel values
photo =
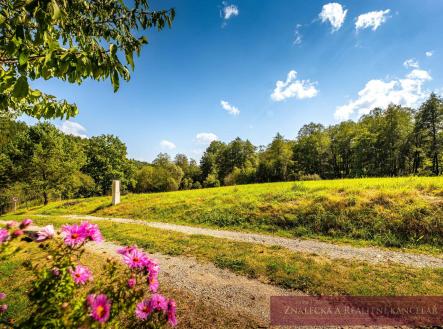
(208, 283)
(369, 254)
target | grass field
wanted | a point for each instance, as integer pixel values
(392, 212)
(311, 274)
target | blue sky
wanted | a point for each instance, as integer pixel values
(253, 68)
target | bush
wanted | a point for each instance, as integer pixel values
(309, 177)
(65, 294)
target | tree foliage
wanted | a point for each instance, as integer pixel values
(70, 40)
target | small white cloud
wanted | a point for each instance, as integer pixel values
(372, 19)
(167, 145)
(293, 88)
(429, 53)
(334, 13)
(378, 93)
(411, 63)
(229, 108)
(229, 11)
(206, 138)
(73, 128)
(298, 37)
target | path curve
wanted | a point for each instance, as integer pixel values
(368, 254)
(207, 282)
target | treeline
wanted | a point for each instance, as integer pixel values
(39, 163)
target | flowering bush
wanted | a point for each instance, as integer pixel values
(66, 294)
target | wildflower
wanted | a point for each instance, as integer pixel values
(17, 233)
(3, 308)
(25, 223)
(4, 235)
(11, 224)
(153, 281)
(135, 259)
(55, 271)
(143, 310)
(170, 313)
(123, 251)
(74, 235)
(46, 233)
(92, 231)
(100, 307)
(2, 295)
(132, 282)
(80, 274)
(158, 302)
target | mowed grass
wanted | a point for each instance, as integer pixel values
(311, 274)
(392, 212)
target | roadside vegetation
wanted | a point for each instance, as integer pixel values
(309, 273)
(391, 212)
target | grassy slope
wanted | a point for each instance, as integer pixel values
(396, 212)
(309, 273)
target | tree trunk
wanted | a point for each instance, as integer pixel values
(45, 196)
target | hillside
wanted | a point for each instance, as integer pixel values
(394, 212)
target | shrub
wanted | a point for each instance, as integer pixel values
(309, 177)
(66, 294)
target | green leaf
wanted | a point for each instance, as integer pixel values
(130, 59)
(115, 80)
(113, 49)
(56, 9)
(23, 58)
(21, 87)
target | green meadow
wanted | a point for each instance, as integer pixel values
(402, 212)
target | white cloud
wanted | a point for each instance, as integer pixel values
(167, 145)
(411, 63)
(206, 138)
(298, 37)
(334, 13)
(372, 19)
(378, 93)
(229, 108)
(429, 53)
(229, 11)
(293, 88)
(73, 128)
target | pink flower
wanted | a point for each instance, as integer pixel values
(170, 313)
(132, 282)
(4, 235)
(2, 295)
(153, 281)
(92, 231)
(11, 224)
(47, 232)
(100, 307)
(125, 250)
(25, 223)
(158, 302)
(3, 308)
(80, 274)
(17, 233)
(143, 309)
(74, 235)
(135, 259)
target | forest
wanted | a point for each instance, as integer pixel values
(39, 163)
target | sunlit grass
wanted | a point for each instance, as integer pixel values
(309, 273)
(392, 212)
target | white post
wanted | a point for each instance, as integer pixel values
(115, 192)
